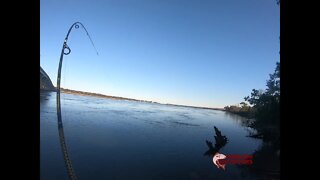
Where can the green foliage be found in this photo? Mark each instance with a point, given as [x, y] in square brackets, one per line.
[244, 110]
[273, 83]
[267, 103]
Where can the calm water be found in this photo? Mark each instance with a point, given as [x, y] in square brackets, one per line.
[122, 140]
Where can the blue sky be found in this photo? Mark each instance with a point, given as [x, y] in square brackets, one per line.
[193, 52]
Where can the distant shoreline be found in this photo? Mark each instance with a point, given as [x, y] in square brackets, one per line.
[82, 93]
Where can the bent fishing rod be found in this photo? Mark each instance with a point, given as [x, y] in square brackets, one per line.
[66, 51]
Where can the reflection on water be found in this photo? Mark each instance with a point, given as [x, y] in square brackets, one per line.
[113, 139]
[266, 162]
[63, 143]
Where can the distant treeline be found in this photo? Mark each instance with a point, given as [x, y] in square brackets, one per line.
[197, 107]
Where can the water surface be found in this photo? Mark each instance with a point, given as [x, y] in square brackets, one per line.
[122, 140]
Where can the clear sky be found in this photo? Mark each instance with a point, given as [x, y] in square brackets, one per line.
[193, 52]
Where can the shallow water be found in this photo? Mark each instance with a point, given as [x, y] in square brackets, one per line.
[118, 139]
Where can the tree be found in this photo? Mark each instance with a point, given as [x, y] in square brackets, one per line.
[273, 83]
[243, 104]
[267, 102]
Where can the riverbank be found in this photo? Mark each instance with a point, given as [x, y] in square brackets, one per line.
[265, 130]
[82, 93]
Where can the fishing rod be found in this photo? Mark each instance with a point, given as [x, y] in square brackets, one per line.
[66, 51]
[66, 47]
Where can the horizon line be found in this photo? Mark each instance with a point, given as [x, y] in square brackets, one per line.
[132, 99]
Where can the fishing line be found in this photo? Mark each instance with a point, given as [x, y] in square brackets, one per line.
[89, 38]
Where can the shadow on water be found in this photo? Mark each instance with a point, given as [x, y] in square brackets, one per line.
[220, 141]
[213, 151]
[63, 144]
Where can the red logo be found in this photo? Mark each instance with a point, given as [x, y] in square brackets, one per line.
[220, 160]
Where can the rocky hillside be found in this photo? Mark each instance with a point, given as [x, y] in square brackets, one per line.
[45, 81]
